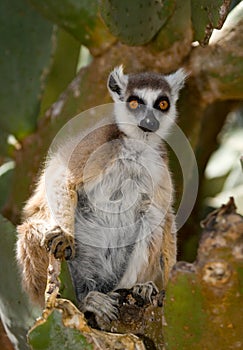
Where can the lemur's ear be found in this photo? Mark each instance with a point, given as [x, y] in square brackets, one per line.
[117, 83]
[176, 81]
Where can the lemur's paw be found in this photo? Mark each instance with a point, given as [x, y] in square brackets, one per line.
[103, 306]
[145, 290]
[60, 244]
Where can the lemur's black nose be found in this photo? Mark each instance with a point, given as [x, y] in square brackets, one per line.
[149, 123]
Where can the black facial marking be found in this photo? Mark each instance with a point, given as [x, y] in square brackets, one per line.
[135, 98]
[157, 102]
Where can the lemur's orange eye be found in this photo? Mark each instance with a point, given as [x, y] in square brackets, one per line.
[163, 105]
[133, 104]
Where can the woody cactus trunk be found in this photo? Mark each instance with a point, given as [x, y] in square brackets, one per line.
[42, 90]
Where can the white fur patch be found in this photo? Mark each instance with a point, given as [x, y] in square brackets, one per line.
[148, 95]
[120, 210]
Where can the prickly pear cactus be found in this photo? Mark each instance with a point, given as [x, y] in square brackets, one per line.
[136, 22]
[80, 19]
[207, 15]
[204, 299]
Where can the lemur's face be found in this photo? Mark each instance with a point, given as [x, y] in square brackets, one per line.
[147, 101]
[147, 98]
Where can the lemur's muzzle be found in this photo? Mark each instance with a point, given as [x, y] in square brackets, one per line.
[149, 123]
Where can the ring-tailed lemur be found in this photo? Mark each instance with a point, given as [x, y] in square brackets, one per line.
[113, 219]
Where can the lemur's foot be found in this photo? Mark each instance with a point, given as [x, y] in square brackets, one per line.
[60, 244]
[103, 306]
[145, 291]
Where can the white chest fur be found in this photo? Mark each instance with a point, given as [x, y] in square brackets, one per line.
[118, 209]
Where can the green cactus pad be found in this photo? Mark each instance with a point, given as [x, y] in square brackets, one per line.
[136, 22]
[79, 18]
[52, 334]
[26, 48]
[206, 15]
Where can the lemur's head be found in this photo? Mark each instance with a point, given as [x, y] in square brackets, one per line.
[150, 101]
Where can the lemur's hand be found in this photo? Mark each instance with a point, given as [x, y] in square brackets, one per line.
[145, 291]
[103, 306]
[60, 244]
